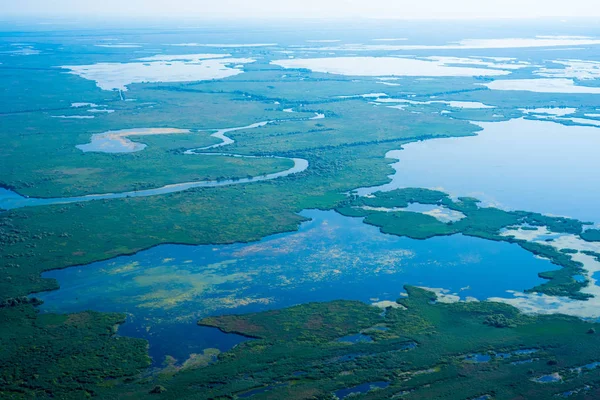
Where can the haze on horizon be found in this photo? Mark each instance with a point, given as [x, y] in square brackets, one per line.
[278, 9]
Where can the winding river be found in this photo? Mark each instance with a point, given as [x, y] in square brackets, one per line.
[11, 200]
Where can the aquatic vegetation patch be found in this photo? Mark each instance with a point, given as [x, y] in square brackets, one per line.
[330, 257]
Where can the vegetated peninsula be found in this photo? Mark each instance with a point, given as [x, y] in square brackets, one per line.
[418, 347]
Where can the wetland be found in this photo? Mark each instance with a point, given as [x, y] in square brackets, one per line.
[304, 213]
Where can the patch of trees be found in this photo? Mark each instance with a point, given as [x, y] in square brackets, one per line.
[18, 301]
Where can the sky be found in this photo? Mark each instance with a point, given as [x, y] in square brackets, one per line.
[269, 9]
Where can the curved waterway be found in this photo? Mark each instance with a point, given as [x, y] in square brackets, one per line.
[11, 200]
[166, 289]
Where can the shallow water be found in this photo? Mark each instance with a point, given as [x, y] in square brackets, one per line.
[441, 213]
[552, 378]
[118, 141]
[518, 164]
[164, 290]
[363, 388]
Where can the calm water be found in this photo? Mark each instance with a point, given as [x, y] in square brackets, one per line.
[165, 290]
[364, 388]
[518, 164]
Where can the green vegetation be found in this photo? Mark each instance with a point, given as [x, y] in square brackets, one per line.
[591, 235]
[44, 238]
[499, 321]
[350, 155]
[308, 322]
[44, 162]
[78, 355]
[343, 150]
[64, 356]
[423, 353]
[569, 251]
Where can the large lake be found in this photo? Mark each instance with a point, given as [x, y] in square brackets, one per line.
[521, 164]
[166, 289]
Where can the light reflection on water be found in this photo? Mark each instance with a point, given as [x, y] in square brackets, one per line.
[518, 164]
[167, 288]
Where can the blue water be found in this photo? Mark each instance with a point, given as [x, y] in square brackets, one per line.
[505, 356]
[572, 392]
[478, 358]
[590, 366]
[548, 379]
[409, 346]
[512, 164]
[166, 289]
[364, 388]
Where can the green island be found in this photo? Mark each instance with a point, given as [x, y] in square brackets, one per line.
[591, 235]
